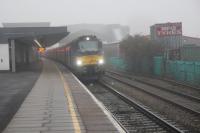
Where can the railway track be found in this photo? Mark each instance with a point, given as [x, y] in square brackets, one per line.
[133, 116]
[177, 88]
[181, 84]
[184, 101]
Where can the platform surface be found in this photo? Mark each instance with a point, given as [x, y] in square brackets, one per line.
[59, 103]
[14, 87]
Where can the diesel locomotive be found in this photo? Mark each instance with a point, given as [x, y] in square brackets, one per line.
[84, 56]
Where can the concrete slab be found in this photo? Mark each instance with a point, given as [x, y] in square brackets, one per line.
[58, 103]
[45, 109]
[14, 87]
[92, 115]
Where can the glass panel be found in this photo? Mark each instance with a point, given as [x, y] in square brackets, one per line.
[88, 46]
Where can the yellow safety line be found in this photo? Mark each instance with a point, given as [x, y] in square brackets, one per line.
[72, 112]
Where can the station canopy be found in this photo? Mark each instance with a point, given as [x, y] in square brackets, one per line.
[46, 36]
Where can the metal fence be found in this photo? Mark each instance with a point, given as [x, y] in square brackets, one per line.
[116, 63]
[184, 71]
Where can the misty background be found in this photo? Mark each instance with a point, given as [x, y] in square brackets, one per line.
[138, 14]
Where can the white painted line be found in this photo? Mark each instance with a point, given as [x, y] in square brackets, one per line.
[76, 125]
[103, 108]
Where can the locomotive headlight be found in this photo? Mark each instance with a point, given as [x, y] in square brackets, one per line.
[101, 61]
[87, 38]
[79, 62]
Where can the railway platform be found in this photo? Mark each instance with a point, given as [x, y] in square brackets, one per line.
[60, 103]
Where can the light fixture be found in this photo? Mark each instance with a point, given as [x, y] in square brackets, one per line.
[36, 41]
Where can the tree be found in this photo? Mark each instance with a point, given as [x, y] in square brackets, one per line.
[138, 52]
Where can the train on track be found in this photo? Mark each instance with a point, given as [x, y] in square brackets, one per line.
[84, 56]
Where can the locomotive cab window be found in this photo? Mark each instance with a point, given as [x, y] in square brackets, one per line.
[88, 46]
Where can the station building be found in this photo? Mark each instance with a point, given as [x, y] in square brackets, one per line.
[169, 34]
[176, 45]
[19, 43]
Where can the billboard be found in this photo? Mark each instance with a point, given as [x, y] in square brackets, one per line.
[169, 29]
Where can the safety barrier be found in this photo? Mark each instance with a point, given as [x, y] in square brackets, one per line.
[186, 71]
[117, 63]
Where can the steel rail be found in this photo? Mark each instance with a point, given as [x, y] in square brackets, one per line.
[159, 87]
[197, 113]
[163, 123]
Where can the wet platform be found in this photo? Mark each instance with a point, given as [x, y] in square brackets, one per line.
[60, 103]
[14, 87]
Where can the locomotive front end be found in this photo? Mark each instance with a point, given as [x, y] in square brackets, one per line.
[89, 60]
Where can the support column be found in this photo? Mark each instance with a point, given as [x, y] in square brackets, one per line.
[13, 62]
[27, 50]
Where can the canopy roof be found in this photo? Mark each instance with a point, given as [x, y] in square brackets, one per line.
[46, 36]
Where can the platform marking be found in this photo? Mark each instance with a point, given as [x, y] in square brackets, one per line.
[100, 104]
[70, 104]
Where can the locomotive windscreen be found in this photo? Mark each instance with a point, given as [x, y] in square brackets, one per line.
[88, 46]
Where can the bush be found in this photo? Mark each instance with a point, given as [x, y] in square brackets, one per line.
[138, 52]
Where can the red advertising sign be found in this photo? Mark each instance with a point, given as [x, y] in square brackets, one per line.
[169, 29]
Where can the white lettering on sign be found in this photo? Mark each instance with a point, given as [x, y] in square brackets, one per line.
[169, 29]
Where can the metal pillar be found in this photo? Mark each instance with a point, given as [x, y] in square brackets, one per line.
[13, 63]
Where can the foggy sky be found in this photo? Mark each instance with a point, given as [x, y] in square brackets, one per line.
[138, 14]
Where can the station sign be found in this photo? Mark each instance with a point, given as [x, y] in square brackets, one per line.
[169, 29]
